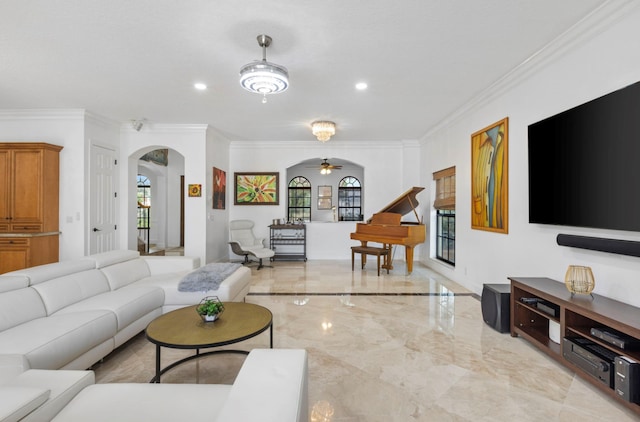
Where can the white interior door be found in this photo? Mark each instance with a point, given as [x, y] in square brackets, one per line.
[103, 200]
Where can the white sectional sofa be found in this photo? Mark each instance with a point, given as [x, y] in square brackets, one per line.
[69, 315]
[272, 386]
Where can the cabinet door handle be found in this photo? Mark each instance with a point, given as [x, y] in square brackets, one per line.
[95, 229]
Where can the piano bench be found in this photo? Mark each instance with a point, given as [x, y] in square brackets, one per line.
[368, 250]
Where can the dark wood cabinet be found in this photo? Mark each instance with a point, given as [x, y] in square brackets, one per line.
[29, 204]
[576, 315]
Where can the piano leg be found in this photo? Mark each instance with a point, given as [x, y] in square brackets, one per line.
[409, 253]
[388, 258]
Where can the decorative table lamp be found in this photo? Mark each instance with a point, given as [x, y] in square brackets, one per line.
[579, 279]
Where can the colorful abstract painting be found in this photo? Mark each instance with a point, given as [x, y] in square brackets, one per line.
[219, 188]
[490, 178]
[256, 188]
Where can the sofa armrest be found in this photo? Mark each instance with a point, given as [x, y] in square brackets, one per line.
[11, 366]
[272, 385]
[18, 402]
[171, 264]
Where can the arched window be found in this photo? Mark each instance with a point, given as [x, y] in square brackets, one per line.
[299, 203]
[349, 199]
[144, 190]
[144, 210]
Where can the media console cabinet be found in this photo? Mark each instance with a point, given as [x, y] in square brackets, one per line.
[576, 316]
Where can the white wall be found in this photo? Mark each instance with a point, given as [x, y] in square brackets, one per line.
[189, 141]
[65, 128]
[217, 221]
[174, 171]
[589, 65]
[385, 176]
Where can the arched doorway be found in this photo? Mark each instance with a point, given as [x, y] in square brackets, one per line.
[159, 208]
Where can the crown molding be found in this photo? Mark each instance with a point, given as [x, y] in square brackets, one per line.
[165, 128]
[307, 145]
[591, 25]
[42, 114]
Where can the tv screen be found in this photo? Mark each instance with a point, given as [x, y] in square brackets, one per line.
[584, 164]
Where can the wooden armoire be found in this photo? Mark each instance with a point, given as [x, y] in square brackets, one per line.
[29, 203]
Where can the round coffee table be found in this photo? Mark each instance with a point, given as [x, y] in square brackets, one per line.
[184, 329]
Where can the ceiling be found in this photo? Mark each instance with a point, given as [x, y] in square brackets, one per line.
[124, 59]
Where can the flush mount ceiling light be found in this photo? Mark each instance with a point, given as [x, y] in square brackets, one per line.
[323, 130]
[263, 77]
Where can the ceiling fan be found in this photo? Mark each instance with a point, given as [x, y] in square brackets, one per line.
[326, 167]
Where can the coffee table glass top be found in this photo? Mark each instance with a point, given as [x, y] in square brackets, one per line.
[184, 329]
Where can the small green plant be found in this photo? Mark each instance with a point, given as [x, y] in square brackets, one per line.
[210, 307]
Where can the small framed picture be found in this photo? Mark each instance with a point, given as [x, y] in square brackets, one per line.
[324, 197]
[195, 190]
[324, 203]
[324, 191]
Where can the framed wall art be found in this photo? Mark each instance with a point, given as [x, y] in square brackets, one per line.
[490, 178]
[256, 188]
[195, 190]
[324, 197]
[219, 188]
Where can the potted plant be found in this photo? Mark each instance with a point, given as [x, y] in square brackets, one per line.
[210, 308]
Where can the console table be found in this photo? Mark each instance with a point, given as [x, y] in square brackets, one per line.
[576, 315]
[288, 241]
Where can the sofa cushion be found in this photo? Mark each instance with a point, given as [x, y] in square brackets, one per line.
[18, 402]
[20, 306]
[54, 341]
[128, 304]
[72, 288]
[63, 384]
[13, 282]
[124, 273]
[170, 264]
[146, 402]
[106, 259]
[234, 287]
[46, 272]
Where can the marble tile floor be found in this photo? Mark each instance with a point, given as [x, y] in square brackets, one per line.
[389, 348]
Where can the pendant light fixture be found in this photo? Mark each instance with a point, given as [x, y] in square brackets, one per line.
[323, 130]
[263, 77]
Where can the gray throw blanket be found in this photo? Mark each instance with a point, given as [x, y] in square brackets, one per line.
[208, 277]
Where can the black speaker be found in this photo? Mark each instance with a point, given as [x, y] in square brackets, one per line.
[495, 306]
[621, 247]
[627, 381]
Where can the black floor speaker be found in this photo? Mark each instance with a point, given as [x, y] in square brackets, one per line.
[495, 306]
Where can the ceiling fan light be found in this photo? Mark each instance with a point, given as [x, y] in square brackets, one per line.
[323, 130]
[263, 77]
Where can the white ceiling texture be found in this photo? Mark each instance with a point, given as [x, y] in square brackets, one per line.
[134, 59]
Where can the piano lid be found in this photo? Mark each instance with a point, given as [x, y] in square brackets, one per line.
[405, 203]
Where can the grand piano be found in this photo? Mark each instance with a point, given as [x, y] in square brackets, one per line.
[387, 228]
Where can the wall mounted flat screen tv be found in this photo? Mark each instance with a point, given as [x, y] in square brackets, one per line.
[584, 164]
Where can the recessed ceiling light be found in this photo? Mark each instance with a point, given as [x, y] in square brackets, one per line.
[200, 86]
[361, 86]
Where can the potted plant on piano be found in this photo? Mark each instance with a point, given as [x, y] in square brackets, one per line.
[210, 308]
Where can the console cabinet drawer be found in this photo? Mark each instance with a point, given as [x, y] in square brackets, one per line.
[26, 228]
